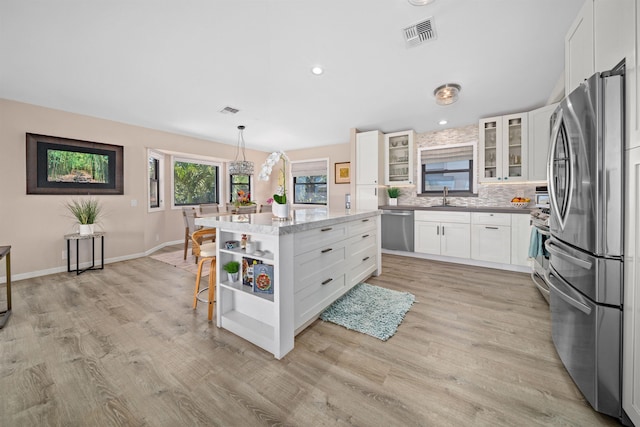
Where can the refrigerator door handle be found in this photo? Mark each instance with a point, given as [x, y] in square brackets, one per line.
[569, 300]
[573, 260]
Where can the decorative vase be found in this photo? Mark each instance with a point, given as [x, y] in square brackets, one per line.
[233, 277]
[280, 211]
[85, 229]
[393, 201]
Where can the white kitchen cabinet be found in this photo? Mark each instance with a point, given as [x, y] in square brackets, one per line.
[631, 312]
[367, 197]
[369, 157]
[520, 238]
[398, 158]
[369, 169]
[539, 124]
[491, 237]
[579, 55]
[503, 148]
[442, 233]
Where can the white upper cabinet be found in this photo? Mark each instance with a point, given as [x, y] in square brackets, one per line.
[398, 157]
[579, 57]
[503, 148]
[539, 138]
[368, 158]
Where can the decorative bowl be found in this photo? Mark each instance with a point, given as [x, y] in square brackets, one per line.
[519, 204]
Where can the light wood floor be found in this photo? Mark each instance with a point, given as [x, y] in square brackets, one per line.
[122, 346]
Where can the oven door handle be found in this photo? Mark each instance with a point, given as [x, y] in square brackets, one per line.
[570, 300]
[573, 260]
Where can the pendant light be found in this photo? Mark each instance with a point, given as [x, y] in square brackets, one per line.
[240, 167]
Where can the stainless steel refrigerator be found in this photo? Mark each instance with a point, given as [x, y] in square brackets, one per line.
[586, 188]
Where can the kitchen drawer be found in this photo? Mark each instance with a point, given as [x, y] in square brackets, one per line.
[319, 262]
[358, 243]
[488, 218]
[443, 216]
[491, 243]
[363, 266]
[362, 226]
[319, 237]
[317, 296]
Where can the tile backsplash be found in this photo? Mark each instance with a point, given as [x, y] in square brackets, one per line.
[488, 194]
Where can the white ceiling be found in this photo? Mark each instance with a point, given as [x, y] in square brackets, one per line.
[172, 65]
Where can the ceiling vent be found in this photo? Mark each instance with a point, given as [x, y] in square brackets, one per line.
[421, 32]
[229, 110]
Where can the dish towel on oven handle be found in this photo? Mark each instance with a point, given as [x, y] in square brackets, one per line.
[536, 248]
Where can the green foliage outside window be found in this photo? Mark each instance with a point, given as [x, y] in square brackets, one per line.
[195, 183]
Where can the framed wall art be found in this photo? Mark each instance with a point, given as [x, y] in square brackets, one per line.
[343, 173]
[70, 166]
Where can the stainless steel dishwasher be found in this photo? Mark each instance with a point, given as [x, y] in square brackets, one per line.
[397, 230]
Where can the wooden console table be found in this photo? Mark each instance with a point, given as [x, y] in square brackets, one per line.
[5, 252]
[77, 237]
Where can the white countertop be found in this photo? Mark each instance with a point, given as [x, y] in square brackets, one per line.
[301, 220]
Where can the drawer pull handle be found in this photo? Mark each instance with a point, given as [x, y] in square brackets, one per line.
[326, 281]
[324, 251]
[365, 258]
[327, 229]
[491, 228]
[365, 236]
[365, 220]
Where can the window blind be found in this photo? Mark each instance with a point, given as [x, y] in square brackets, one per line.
[311, 168]
[443, 155]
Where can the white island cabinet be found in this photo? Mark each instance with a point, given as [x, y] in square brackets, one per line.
[315, 258]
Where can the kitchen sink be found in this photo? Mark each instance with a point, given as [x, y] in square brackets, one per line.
[447, 207]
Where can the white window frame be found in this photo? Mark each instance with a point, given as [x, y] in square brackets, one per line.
[161, 178]
[474, 146]
[291, 181]
[222, 173]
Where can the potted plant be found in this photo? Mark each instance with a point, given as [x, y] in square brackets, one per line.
[87, 212]
[233, 270]
[394, 193]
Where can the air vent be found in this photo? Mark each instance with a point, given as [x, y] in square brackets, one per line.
[419, 33]
[229, 110]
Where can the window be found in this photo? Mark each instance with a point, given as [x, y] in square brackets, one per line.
[310, 182]
[195, 182]
[156, 182]
[451, 166]
[239, 183]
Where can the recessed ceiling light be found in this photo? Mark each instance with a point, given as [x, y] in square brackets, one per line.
[317, 70]
[442, 122]
[420, 2]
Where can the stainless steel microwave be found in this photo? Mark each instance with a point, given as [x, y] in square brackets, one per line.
[542, 198]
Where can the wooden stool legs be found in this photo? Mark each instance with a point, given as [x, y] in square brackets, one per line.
[211, 287]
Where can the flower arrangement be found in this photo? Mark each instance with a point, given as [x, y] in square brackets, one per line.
[281, 194]
[243, 199]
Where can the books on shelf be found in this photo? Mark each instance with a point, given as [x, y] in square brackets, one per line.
[263, 278]
[247, 270]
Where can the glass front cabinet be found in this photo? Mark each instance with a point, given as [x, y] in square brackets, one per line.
[398, 158]
[503, 148]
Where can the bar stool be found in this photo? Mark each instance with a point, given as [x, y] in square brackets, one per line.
[207, 253]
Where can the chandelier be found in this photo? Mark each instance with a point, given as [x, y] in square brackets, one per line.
[240, 167]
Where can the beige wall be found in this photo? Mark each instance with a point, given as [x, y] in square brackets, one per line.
[34, 225]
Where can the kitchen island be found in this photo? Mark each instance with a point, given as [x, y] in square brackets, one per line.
[306, 263]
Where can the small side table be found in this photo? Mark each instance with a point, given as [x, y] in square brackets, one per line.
[5, 252]
[77, 237]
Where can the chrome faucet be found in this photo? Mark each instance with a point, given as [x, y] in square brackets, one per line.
[445, 191]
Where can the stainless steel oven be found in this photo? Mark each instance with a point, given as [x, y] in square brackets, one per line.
[538, 251]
